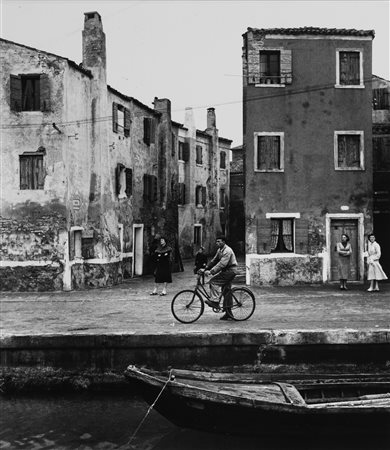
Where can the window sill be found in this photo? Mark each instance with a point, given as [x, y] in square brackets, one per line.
[349, 86]
[200, 206]
[270, 171]
[120, 196]
[350, 169]
[199, 164]
[270, 85]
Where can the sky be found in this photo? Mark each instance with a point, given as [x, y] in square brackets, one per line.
[187, 51]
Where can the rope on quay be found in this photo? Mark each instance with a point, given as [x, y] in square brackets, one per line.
[170, 377]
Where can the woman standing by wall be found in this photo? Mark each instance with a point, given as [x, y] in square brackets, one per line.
[344, 251]
[375, 271]
[162, 274]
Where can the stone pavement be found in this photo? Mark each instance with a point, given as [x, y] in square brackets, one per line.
[129, 309]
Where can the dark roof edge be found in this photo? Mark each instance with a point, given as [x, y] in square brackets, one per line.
[177, 124]
[380, 78]
[132, 99]
[313, 31]
[71, 63]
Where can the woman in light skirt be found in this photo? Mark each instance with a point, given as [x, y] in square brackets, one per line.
[375, 271]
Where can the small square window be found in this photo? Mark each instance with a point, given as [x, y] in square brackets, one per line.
[31, 171]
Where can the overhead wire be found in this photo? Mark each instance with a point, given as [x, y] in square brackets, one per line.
[283, 93]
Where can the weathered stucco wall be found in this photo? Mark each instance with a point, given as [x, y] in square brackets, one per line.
[285, 271]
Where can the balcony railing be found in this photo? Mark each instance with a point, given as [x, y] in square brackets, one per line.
[285, 78]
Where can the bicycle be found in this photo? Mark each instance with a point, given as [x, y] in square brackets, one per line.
[188, 305]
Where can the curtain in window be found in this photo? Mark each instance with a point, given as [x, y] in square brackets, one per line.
[287, 235]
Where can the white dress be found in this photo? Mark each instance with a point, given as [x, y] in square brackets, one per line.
[375, 271]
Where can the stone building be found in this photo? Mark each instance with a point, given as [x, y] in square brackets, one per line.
[381, 161]
[308, 139]
[203, 184]
[237, 201]
[90, 176]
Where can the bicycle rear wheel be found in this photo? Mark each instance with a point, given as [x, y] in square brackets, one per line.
[187, 306]
[244, 304]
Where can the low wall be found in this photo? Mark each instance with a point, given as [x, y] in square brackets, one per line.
[34, 278]
[284, 270]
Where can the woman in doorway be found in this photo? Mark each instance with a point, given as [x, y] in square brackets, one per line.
[375, 271]
[344, 251]
[162, 274]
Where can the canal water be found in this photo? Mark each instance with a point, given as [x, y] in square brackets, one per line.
[105, 422]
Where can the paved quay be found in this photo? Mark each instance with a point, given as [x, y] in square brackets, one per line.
[129, 309]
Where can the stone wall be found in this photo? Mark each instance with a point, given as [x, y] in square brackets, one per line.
[284, 271]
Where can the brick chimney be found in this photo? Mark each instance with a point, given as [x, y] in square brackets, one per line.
[211, 120]
[94, 43]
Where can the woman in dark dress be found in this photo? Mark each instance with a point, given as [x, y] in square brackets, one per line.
[162, 274]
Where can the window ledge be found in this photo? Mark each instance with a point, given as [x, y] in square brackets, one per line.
[270, 85]
[181, 161]
[120, 196]
[200, 206]
[349, 86]
[350, 169]
[199, 164]
[270, 171]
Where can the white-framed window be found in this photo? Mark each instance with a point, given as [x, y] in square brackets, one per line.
[349, 150]
[198, 234]
[75, 243]
[349, 68]
[269, 151]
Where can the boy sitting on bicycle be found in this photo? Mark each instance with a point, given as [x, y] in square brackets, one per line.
[223, 268]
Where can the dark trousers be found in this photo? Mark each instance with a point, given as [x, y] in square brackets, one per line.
[223, 279]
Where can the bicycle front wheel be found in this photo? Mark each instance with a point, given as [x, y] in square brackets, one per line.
[187, 306]
[244, 304]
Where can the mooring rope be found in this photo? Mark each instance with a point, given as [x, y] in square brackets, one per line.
[170, 377]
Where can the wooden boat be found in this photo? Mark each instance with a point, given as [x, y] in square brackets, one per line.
[254, 404]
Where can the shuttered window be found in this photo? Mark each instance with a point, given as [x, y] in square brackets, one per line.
[150, 188]
[149, 130]
[381, 153]
[270, 67]
[120, 119]
[30, 92]
[184, 151]
[182, 194]
[268, 153]
[199, 155]
[200, 196]
[349, 151]
[222, 198]
[124, 181]
[349, 64]
[31, 171]
[222, 160]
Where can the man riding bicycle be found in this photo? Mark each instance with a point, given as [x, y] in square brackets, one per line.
[223, 267]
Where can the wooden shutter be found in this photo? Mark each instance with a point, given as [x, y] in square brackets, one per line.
[286, 66]
[204, 195]
[16, 92]
[114, 117]
[153, 188]
[44, 87]
[23, 167]
[39, 173]
[147, 130]
[129, 182]
[263, 236]
[118, 184]
[127, 122]
[146, 186]
[152, 130]
[223, 160]
[301, 236]
[183, 193]
[186, 151]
